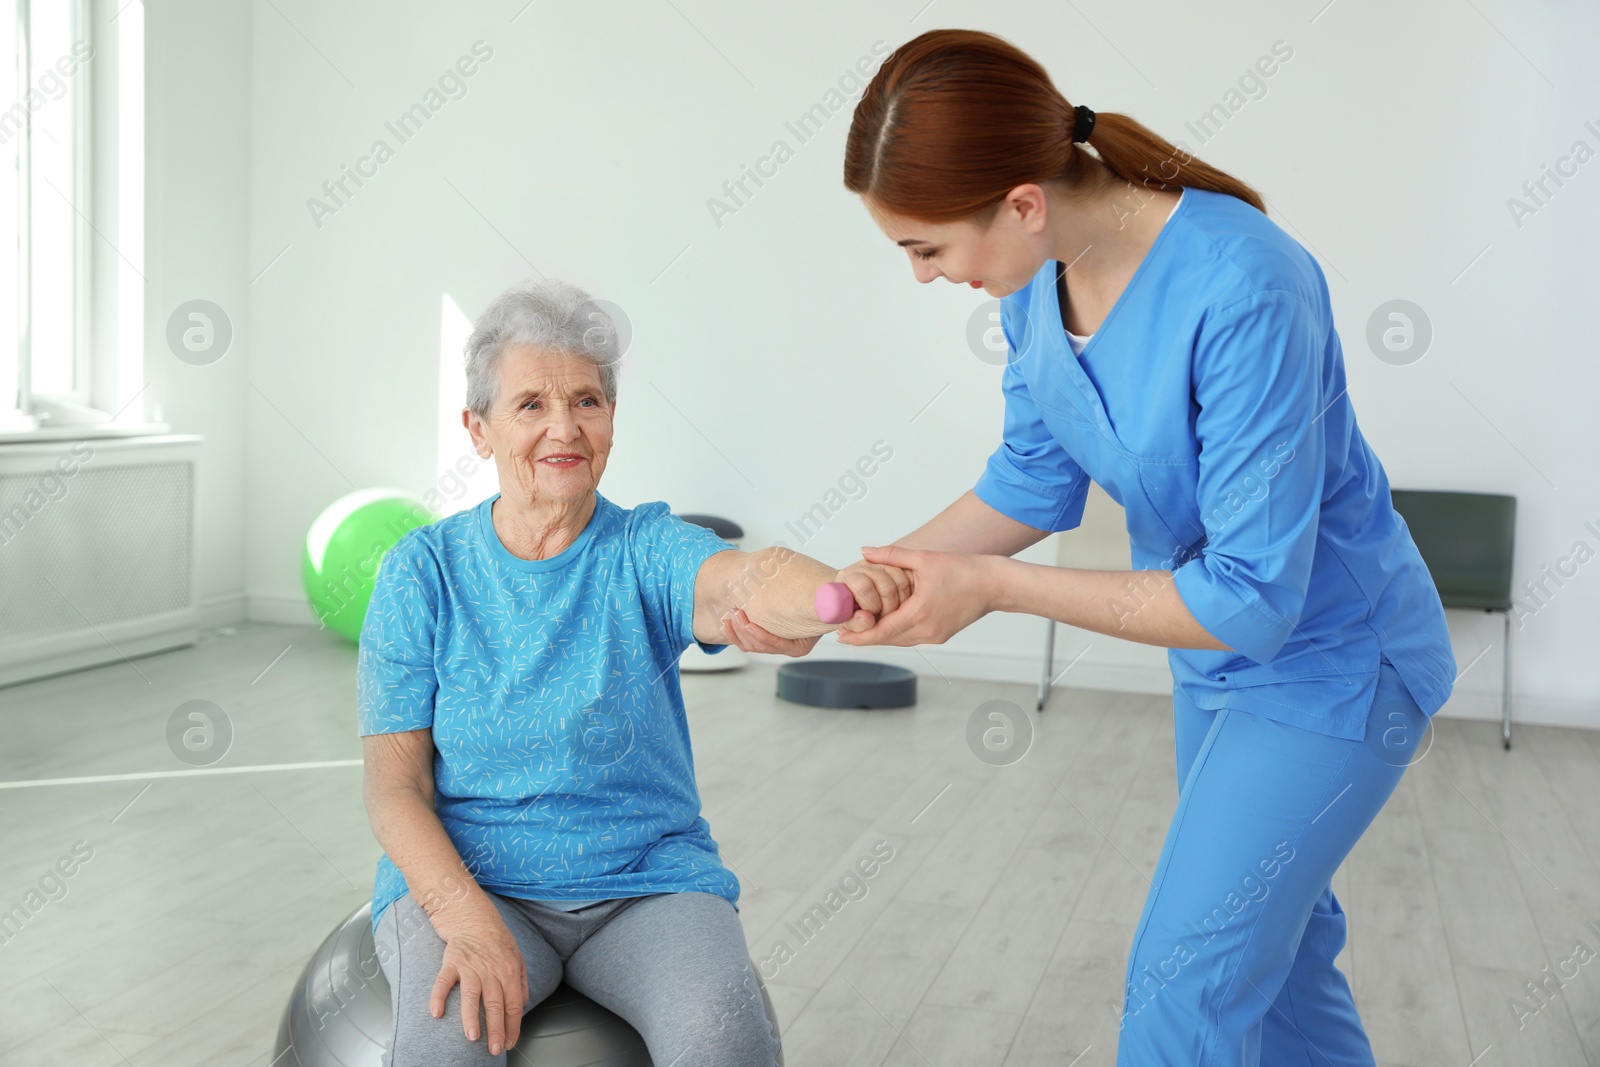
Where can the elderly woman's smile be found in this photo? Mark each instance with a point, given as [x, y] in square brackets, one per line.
[548, 429]
[553, 412]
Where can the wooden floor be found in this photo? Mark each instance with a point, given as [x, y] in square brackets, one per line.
[996, 934]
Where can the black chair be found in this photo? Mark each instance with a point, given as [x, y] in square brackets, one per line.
[1466, 539]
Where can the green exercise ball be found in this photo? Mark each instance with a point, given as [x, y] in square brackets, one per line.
[344, 548]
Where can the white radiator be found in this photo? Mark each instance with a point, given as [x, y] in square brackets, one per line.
[97, 551]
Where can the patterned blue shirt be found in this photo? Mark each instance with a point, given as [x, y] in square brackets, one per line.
[562, 766]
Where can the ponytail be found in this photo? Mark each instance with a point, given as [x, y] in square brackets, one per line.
[1135, 153]
[956, 119]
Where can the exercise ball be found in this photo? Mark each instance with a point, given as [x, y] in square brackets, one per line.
[344, 547]
[339, 1015]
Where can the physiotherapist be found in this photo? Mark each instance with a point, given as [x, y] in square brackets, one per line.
[1170, 342]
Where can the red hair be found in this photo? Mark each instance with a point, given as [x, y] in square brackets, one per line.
[956, 119]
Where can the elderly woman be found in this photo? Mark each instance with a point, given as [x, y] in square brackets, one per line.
[528, 766]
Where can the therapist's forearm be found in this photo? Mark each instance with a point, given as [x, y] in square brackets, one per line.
[1142, 606]
[973, 527]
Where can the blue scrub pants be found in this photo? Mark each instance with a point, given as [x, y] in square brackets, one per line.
[1232, 963]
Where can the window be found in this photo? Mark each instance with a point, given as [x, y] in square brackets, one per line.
[71, 211]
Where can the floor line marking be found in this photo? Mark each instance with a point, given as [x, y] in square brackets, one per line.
[140, 776]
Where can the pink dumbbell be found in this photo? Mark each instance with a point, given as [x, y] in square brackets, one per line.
[835, 602]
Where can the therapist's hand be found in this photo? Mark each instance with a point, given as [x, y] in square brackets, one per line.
[950, 591]
[878, 589]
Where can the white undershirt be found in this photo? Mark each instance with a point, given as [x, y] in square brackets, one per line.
[1077, 342]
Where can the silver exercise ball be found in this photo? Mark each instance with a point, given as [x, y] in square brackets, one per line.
[339, 1015]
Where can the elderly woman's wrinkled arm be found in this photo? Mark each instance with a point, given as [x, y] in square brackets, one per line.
[480, 952]
[775, 587]
[397, 786]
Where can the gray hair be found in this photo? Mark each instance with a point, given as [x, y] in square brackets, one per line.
[548, 314]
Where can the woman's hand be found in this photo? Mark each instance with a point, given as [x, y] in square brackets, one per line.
[950, 591]
[484, 958]
[749, 637]
[878, 588]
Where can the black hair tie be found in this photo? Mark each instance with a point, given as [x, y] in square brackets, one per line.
[1085, 124]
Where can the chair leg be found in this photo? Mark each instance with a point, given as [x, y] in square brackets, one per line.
[1505, 685]
[1049, 661]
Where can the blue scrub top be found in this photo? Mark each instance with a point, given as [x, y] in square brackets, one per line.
[1211, 404]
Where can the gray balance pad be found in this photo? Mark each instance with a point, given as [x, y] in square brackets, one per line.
[837, 683]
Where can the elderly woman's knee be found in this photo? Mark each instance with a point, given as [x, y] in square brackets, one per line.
[750, 1043]
[420, 1040]
[720, 1022]
[439, 1043]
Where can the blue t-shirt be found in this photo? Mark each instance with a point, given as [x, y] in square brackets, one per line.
[1212, 405]
[562, 766]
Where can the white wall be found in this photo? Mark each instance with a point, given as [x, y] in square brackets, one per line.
[197, 196]
[772, 350]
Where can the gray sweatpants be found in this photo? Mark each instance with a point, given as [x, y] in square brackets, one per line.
[674, 965]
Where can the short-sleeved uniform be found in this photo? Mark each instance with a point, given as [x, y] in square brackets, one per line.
[562, 770]
[1212, 405]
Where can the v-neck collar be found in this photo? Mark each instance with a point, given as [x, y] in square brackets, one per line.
[1072, 364]
[1059, 280]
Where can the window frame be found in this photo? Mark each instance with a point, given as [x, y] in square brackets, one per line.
[98, 279]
